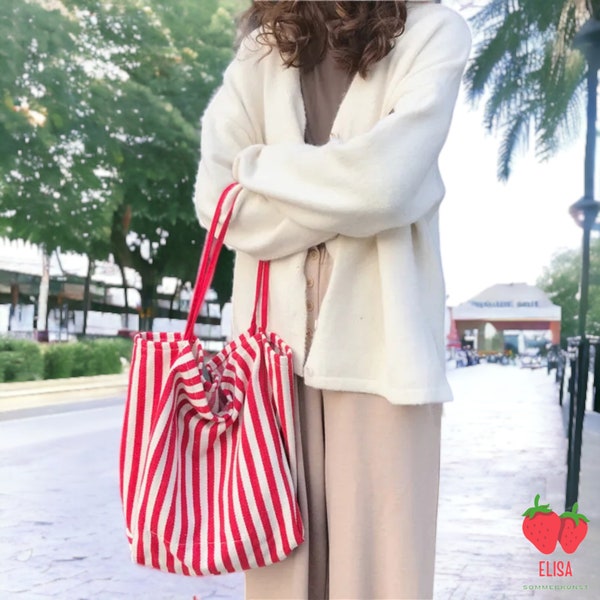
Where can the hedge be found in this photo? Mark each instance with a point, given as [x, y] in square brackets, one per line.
[22, 360]
[79, 359]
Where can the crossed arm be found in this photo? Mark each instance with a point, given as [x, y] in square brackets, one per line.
[296, 195]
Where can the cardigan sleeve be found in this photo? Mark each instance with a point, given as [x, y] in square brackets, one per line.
[381, 179]
[258, 226]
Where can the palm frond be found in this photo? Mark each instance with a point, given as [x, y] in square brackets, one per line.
[561, 86]
[515, 135]
[493, 12]
[501, 42]
[525, 67]
[505, 97]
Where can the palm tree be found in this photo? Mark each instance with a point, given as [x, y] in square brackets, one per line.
[528, 73]
[534, 78]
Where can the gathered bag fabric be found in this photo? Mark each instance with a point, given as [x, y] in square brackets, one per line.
[208, 466]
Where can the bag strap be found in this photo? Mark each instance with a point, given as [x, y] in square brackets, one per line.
[209, 258]
[261, 297]
[208, 264]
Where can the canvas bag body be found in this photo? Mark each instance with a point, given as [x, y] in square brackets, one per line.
[208, 468]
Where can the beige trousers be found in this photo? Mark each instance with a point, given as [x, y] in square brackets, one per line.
[368, 492]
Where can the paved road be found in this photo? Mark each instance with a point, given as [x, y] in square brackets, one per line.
[61, 527]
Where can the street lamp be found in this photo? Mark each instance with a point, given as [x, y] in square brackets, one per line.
[584, 211]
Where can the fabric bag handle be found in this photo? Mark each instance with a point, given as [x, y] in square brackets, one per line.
[208, 264]
[208, 259]
[259, 319]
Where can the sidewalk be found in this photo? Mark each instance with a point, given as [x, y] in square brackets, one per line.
[27, 395]
[503, 443]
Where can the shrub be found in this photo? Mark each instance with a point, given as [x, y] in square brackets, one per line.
[20, 360]
[124, 347]
[100, 357]
[23, 360]
[59, 360]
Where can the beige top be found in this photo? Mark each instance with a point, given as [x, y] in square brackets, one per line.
[323, 89]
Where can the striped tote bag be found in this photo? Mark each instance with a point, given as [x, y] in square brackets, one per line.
[208, 469]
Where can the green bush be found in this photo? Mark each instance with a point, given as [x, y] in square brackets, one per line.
[59, 360]
[20, 360]
[124, 347]
[88, 357]
[96, 358]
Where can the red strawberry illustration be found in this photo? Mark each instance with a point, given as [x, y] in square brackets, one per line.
[573, 529]
[541, 526]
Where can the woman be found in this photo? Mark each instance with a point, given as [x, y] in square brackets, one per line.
[331, 117]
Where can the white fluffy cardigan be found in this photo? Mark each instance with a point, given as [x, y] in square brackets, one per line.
[371, 194]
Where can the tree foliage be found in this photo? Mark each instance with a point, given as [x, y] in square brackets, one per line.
[528, 73]
[55, 182]
[561, 280]
[99, 126]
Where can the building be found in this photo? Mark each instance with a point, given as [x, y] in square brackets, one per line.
[21, 266]
[509, 316]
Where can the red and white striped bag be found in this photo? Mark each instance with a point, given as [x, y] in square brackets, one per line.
[208, 453]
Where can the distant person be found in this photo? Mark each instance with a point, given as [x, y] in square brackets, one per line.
[331, 118]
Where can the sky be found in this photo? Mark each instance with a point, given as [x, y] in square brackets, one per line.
[496, 232]
[503, 232]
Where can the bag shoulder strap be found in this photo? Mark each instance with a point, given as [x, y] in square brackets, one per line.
[213, 244]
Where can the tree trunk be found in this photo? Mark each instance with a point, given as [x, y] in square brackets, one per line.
[125, 288]
[172, 301]
[148, 295]
[42, 319]
[14, 302]
[86, 294]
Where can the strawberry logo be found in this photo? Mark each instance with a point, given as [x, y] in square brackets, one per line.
[541, 526]
[573, 529]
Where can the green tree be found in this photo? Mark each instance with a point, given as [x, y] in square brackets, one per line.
[99, 127]
[560, 280]
[55, 189]
[170, 78]
[526, 70]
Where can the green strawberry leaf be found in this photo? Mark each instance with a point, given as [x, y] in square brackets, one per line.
[537, 508]
[573, 514]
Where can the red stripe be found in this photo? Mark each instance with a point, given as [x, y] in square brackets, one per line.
[183, 487]
[142, 465]
[170, 471]
[136, 435]
[222, 541]
[275, 463]
[251, 412]
[276, 401]
[212, 430]
[244, 530]
[125, 431]
[248, 522]
[173, 469]
[147, 504]
[234, 493]
[165, 449]
[284, 405]
[196, 459]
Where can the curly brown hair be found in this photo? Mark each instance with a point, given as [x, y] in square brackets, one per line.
[359, 33]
